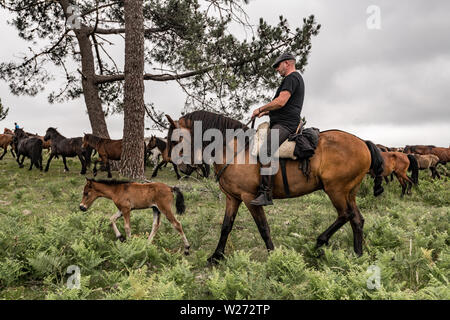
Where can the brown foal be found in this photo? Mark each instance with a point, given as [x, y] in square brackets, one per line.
[129, 196]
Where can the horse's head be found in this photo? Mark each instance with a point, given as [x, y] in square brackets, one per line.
[151, 143]
[49, 133]
[89, 195]
[179, 133]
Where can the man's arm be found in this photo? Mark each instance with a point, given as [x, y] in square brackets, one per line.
[277, 103]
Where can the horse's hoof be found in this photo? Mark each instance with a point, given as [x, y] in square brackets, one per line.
[319, 252]
[215, 259]
[121, 238]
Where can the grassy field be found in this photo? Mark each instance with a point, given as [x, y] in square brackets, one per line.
[43, 232]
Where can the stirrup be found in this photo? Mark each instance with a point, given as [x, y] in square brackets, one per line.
[263, 199]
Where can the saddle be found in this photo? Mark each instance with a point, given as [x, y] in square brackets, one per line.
[299, 146]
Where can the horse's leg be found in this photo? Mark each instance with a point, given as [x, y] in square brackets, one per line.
[165, 208]
[339, 200]
[18, 160]
[156, 223]
[5, 150]
[260, 219]
[113, 220]
[232, 206]
[40, 161]
[83, 163]
[402, 183]
[407, 181]
[126, 217]
[48, 161]
[386, 180]
[94, 170]
[155, 171]
[357, 223]
[175, 167]
[65, 164]
[21, 162]
[108, 168]
[12, 151]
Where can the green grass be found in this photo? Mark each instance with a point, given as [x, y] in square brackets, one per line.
[42, 233]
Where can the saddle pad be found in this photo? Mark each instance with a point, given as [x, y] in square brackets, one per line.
[286, 149]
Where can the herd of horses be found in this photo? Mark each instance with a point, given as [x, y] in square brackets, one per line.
[30, 146]
[338, 166]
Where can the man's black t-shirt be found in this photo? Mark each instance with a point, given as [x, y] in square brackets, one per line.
[289, 115]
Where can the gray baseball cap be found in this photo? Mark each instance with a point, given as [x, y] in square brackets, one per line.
[284, 56]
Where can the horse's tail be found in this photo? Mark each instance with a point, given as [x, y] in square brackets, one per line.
[179, 202]
[87, 152]
[376, 167]
[36, 152]
[414, 167]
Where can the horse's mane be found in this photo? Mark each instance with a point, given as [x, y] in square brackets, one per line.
[211, 120]
[110, 181]
[160, 144]
[92, 139]
[51, 129]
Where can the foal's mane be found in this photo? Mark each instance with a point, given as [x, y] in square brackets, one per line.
[110, 181]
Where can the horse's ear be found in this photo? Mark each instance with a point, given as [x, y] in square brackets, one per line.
[172, 123]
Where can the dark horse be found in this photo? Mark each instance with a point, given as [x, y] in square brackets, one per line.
[28, 147]
[159, 143]
[107, 150]
[67, 148]
[156, 142]
[340, 162]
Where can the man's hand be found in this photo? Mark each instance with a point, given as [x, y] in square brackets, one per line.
[258, 113]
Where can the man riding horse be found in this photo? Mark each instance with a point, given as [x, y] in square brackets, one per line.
[284, 113]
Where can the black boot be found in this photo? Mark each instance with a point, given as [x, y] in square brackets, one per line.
[264, 197]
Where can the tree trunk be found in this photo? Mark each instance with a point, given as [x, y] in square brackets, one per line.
[132, 159]
[90, 89]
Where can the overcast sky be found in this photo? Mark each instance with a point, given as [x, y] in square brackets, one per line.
[390, 85]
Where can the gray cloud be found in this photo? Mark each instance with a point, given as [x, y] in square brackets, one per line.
[387, 85]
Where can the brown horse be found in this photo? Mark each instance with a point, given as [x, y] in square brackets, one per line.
[107, 150]
[8, 131]
[5, 141]
[398, 163]
[129, 196]
[338, 166]
[442, 153]
[428, 161]
[419, 149]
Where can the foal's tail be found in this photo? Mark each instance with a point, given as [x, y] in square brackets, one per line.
[179, 202]
[414, 167]
[376, 167]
